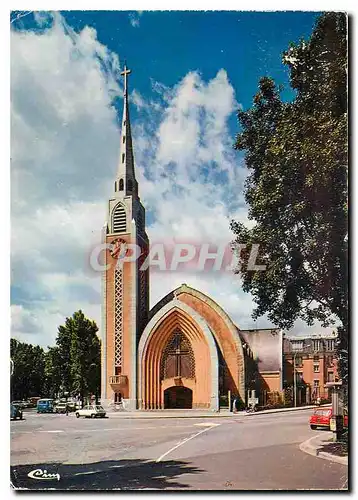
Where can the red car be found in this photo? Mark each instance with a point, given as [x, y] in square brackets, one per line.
[322, 416]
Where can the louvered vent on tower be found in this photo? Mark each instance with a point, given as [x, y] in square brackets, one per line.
[119, 219]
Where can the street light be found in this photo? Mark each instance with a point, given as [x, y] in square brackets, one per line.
[295, 376]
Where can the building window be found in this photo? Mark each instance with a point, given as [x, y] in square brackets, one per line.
[330, 345]
[330, 377]
[115, 186]
[117, 397]
[124, 139]
[316, 345]
[178, 358]
[119, 224]
[315, 388]
[297, 345]
[121, 185]
[316, 368]
[316, 358]
[123, 157]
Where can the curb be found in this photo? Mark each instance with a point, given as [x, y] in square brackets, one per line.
[311, 449]
[149, 415]
[283, 410]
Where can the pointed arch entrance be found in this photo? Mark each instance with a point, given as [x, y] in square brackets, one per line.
[178, 360]
[178, 397]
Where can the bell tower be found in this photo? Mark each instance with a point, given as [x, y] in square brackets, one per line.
[125, 288]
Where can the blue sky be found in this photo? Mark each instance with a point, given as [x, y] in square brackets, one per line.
[191, 72]
[166, 45]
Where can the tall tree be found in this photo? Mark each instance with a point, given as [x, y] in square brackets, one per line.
[53, 381]
[296, 190]
[29, 370]
[79, 351]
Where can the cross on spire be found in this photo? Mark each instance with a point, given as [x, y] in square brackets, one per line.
[125, 73]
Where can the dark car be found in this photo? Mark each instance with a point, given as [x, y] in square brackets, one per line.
[15, 411]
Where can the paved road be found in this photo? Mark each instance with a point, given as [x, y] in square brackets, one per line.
[243, 452]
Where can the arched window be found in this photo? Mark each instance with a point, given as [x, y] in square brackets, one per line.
[178, 358]
[121, 185]
[117, 397]
[115, 186]
[129, 185]
[119, 219]
[123, 157]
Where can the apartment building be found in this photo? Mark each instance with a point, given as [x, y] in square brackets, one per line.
[313, 360]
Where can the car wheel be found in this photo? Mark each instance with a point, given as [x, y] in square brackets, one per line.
[93, 415]
[77, 414]
[313, 427]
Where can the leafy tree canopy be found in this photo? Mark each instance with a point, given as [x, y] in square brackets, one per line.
[296, 190]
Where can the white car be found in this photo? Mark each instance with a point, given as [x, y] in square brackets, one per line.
[91, 411]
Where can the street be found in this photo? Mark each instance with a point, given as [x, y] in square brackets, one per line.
[243, 452]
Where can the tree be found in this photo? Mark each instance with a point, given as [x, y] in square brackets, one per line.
[80, 355]
[296, 190]
[29, 370]
[73, 366]
[53, 381]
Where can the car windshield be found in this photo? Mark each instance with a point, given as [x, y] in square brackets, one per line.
[324, 413]
[99, 407]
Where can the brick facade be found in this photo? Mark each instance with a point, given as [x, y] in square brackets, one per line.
[314, 360]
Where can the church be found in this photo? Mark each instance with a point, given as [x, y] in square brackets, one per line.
[185, 352]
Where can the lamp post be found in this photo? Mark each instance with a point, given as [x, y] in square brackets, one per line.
[294, 380]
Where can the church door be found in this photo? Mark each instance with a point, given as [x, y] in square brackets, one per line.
[178, 397]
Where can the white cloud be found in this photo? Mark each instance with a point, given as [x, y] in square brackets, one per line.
[134, 18]
[64, 152]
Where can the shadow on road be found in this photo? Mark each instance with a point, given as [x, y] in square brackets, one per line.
[106, 475]
[338, 449]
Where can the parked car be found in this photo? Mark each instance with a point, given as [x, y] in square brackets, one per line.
[91, 411]
[61, 408]
[18, 403]
[321, 418]
[45, 406]
[33, 401]
[15, 411]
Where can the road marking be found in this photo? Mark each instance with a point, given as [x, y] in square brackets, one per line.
[52, 431]
[183, 442]
[207, 424]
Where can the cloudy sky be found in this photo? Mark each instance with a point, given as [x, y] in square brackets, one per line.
[191, 72]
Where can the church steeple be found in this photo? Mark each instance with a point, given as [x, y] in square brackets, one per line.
[126, 184]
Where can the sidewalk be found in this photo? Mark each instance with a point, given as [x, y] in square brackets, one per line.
[322, 446]
[223, 413]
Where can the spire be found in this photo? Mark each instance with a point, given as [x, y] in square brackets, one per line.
[126, 183]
